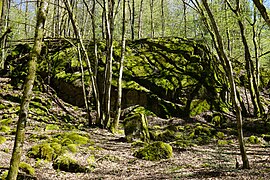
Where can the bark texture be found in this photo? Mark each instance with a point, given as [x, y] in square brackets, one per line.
[27, 91]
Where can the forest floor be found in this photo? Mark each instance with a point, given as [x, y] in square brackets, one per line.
[113, 157]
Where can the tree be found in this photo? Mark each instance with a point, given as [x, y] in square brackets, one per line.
[115, 122]
[92, 75]
[27, 91]
[263, 11]
[228, 67]
[252, 82]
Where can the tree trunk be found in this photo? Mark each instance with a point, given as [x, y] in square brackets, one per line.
[115, 122]
[232, 85]
[263, 11]
[152, 18]
[109, 19]
[162, 19]
[140, 20]
[253, 87]
[78, 35]
[27, 91]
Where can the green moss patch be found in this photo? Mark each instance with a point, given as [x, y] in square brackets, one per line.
[4, 129]
[155, 151]
[253, 140]
[27, 168]
[44, 151]
[66, 163]
[2, 139]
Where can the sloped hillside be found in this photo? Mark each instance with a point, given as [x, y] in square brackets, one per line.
[57, 132]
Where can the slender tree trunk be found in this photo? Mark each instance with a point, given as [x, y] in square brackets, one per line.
[140, 20]
[152, 18]
[262, 9]
[162, 19]
[253, 88]
[78, 35]
[115, 123]
[93, 18]
[232, 85]
[132, 18]
[27, 92]
[83, 86]
[185, 17]
[109, 9]
[3, 28]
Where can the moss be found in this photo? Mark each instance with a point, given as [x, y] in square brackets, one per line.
[2, 106]
[155, 151]
[77, 139]
[66, 163]
[6, 121]
[136, 127]
[51, 127]
[184, 143]
[4, 129]
[27, 168]
[72, 148]
[4, 175]
[166, 136]
[253, 140]
[220, 135]
[138, 143]
[2, 139]
[42, 151]
[222, 142]
[198, 107]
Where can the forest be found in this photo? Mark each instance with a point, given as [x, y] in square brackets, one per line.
[134, 89]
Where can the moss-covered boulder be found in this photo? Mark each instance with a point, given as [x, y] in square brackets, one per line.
[155, 151]
[45, 151]
[136, 128]
[66, 163]
[2, 139]
[27, 168]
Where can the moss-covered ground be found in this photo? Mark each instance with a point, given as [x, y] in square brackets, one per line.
[59, 143]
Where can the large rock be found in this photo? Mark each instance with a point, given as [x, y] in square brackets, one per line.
[136, 128]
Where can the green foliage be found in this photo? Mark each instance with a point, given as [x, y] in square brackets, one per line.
[155, 151]
[27, 168]
[66, 163]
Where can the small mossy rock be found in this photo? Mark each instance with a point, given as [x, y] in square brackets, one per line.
[72, 148]
[4, 129]
[136, 128]
[27, 168]
[77, 139]
[2, 139]
[45, 151]
[66, 163]
[253, 140]
[159, 135]
[155, 151]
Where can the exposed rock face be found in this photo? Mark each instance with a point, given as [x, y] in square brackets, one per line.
[169, 76]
